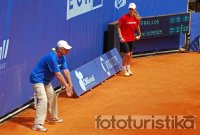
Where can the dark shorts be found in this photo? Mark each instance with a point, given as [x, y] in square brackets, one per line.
[127, 47]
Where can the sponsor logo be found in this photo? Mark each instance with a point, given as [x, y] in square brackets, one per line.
[120, 3]
[78, 7]
[109, 64]
[84, 82]
[131, 23]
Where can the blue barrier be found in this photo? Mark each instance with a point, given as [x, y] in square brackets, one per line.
[29, 29]
[96, 71]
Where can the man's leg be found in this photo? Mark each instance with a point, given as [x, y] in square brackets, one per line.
[124, 64]
[52, 108]
[41, 107]
[129, 63]
[124, 47]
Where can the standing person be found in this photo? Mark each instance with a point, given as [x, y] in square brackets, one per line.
[47, 68]
[127, 25]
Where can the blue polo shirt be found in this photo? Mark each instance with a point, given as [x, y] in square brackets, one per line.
[44, 71]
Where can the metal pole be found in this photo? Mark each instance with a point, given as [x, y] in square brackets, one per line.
[15, 112]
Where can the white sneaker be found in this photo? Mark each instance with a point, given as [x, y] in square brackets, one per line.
[128, 67]
[126, 73]
[130, 72]
[56, 120]
[39, 128]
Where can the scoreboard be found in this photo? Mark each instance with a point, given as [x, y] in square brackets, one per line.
[166, 25]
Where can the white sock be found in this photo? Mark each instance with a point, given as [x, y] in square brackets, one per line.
[128, 67]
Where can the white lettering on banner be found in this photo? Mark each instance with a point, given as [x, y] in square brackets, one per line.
[88, 80]
[83, 82]
[4, 49]
[120, 3]
[109, 64]
[78, 7]
[112, 62]
[103, 65]
[3, 53]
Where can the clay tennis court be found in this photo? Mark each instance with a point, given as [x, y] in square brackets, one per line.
[166, 84]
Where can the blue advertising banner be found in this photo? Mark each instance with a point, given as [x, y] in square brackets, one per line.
[85, 77]
[108, 64]
[96, 71]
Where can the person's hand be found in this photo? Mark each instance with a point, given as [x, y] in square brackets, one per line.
[69, 91]
[138, 37]
[122, 39]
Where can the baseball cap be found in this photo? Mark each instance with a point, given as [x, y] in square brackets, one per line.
[132, 6]
[64, 44]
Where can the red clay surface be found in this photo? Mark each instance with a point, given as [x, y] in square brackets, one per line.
[161, 85]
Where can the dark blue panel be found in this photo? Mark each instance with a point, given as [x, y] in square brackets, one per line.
[157, 44]
[165, 25]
